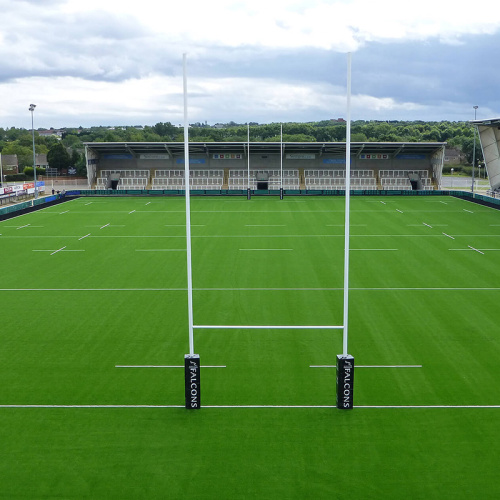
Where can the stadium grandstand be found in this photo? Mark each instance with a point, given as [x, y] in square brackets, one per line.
[264, 166]
[489, 136]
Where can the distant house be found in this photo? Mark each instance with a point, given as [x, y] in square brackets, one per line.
[41, 160]
[51, 132]
[9, 164]
[453, 156]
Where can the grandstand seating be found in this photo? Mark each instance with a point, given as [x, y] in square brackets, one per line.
[400, 180]
[238, 179]
[396, 183]
[335, 179]
[127, 179]
[198, 179]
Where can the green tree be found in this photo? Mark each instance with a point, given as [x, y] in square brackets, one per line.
[24, 153]
[58, 157]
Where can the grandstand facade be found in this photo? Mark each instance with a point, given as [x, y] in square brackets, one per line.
[489, 136]
[264, 166]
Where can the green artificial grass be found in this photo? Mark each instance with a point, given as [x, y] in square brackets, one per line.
[97, 283]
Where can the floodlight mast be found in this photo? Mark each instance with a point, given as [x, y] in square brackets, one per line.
[281, 161]
[32, 109]
[474, 150]
[248, 161]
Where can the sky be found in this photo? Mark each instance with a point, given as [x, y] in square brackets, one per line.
[120, 62]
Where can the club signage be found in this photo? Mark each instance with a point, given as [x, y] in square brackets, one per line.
[192, 381]
[345, 382]
[300, 156]
[227, 156]
[373, 156]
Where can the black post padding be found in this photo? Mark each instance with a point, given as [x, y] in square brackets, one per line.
[281, 193]
[345, 382]
[192, 381]
[249, 196]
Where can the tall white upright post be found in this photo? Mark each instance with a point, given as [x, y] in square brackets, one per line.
[345, 362]
[347, 208]
[191, 360]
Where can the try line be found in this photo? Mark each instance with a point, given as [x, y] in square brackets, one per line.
[403, 407]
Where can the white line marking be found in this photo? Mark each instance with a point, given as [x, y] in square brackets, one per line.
[342, 225]
[427, 406]
[376, 249]
[443, 202]
[148, 203]
[369, 366]
[21, 227]
[131, 212]
[272, 327]
[89, 203]
[476, 250]
[265, 225]
[447, 235]
[428, 225]
[58, 250]
[400, 211]
[465, 210]
[184, 225]
[166, 366]
[105, 225]
[161, 250]
[84, 237]
[393, 407]
[265, 236]
[248, 289]
[383, 202]
[65, 212]
[265, 249]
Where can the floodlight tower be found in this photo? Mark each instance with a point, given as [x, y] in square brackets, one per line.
[474, 150]
[32, 108]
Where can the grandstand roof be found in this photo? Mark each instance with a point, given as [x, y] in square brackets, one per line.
[491, 122]
[176, 149]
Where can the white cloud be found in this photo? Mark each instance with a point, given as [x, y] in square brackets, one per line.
[119, 62]
[158, 98]
[330, 24]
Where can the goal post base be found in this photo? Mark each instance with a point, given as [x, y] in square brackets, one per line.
[249, 196]
[192, 381]
[345, 382]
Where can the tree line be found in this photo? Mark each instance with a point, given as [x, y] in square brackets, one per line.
[69, 150]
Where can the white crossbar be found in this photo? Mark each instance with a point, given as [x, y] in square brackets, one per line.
[271, 327]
